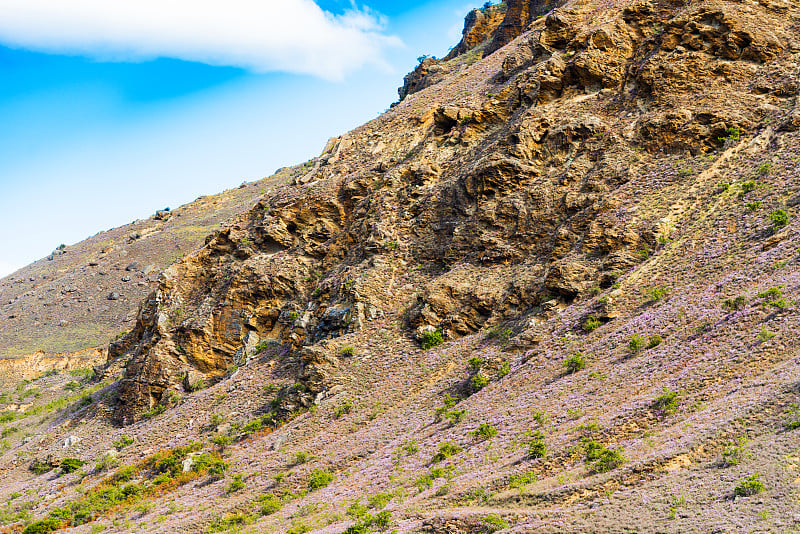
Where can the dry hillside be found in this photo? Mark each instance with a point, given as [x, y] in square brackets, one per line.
[553, 290]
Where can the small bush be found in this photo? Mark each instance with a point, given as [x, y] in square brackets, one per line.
[477, 382]
[654, 341]
[236, 484]
[475, 363]
[667, 402]
[345, 408]
[779, 219]
[658, 293]
[520, 481]
[773, 293]
[494, 522]
[410, 447]
[736, 303]
[197, 386]
[301, 457]
[500, 334]
[429, 340]
[575, 363]
[122, 442]
[485, 431]
[70, 465]
[107, 462]
[456, 415]
[608, 460]
[591, 324]
[636, 343]
[749, 486]
[320, 478]
[347, 351]
[748, 186]
[270, 503]
[380, 500]
[158, 409]
[734, 453]
[505, 368]
[39, 467]
[45, 526]
[446, 450]
[536, 446]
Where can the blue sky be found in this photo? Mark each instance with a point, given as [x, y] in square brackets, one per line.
[106, 118]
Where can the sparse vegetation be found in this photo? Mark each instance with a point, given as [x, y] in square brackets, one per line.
[428, 340]
[667, 402]
[575, 363]
[636, 344]
[319, 478]
[446, 450]
[749, 486]
[485, 431]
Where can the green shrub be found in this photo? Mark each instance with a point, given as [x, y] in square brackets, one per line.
[347, 351]
[197, 386]
[736, 303]
[779, 219]
[575, 363]
[70, 465]
[158, 409]
[107, 462]
[607, 460]
[446, 450]
[494, 522]
[320, 478]
[410, 447]
[734, 453]
[591, 324]
[485, 431]
[667, 402]
[658, 293]
[45, 526]
[125, 474]
[770, 294]
[456, 415]
[236, 484]
[429, 340]
[380, 500]
[748, 186]
[753, 205]
[636, 343]
[262, 347]
[749, 486]
[520, 481]
[477, 382]
[426, 480]
[39, 467]
[500, 334]
[345, 408]
[475, 363]
[505, 368]
[270, 503]
[301, 457]
[122, 442]
[654, 341]
[536, 445]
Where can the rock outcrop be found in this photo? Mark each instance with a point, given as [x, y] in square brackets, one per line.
[511, 198]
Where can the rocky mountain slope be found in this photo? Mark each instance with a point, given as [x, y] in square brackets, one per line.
[554, 291]
[84, 295]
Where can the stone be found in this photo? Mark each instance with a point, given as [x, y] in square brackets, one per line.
[71, 442]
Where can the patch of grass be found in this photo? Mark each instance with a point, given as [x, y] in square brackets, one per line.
[752, 485]
[456, 415]
[236, 484]
[122, 442]
[736, 303]
[485, 431]
[410, 447]
[501, 334]
[667, 402]
[426, 480]
[477, 382]
[345, 408]
[446, 450]
[636, 343]
[319, 478]
[475, 363]
[654, 341]
[591, 324]
[575, 363]
[778, 219]
[734, 453]
[158, 409]
[347, 351]
[658, 293]
[70, 465]
[380, 500]
[536, 445]
[429, 340]
[270, 504]
[520, 481]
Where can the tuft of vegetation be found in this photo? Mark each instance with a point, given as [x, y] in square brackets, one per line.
[501, 334]
[122, 442]
[485, 431]
[270, 503]
[778, 219]
[446, 450]
[667, 402]
[477, 382]
[158, 409]
[591, 324]
[347, 351]
[734, 453]
[601, 459]
[344, 409]
[636, 343]
[475, 363]
[736, 303]
[575, 363]
[70, 465]
[752, 485]
[536, 445]
[658, 293]
[236, 484]
[654, 341]
[319, 478]
[302, 457]
[520, 481]
[429, 340]
[494, 522]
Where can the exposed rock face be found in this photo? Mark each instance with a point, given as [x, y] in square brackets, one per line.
[506, 200]
[479, 26]
[519, 15]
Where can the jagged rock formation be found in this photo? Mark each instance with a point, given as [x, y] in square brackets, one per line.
[513, 193]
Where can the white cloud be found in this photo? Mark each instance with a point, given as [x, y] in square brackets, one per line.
[260, 35]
